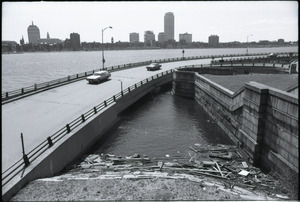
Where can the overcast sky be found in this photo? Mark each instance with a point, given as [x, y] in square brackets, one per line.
[230, 20]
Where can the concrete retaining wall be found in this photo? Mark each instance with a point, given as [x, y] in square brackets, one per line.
[263, 120]
[64, 152]
[79, 140]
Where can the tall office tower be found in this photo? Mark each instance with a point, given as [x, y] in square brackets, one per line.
[33, 33]
[169, 26]
[187, 38]
[134, 37]
[149, 38]
[75, 41]
[213, 40]
[161, 37]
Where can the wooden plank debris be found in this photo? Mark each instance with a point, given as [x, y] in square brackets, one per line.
[221, 161]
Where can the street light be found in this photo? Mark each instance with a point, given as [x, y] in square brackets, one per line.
[103, 60]
[121, 85]
[247, 43]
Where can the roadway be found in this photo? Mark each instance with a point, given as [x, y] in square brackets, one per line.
[40, 115]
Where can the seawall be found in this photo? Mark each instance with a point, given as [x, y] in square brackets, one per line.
[261, 119]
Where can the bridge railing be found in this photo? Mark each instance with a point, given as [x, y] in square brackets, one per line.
[21, 165]
[71, 78]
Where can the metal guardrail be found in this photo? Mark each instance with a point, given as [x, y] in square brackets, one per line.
[21, 164]
[71, 78]
[284, 58]
[236, 65]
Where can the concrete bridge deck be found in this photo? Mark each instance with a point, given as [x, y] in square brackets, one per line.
[41, 115]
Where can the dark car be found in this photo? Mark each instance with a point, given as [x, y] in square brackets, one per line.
[272, 55]
[99, 76]
[153, 67]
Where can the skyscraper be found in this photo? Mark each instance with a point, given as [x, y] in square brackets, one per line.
[134, 37]
[213, 40]
[33, 33]
[149, 38]
[169, 26]
[75, 41]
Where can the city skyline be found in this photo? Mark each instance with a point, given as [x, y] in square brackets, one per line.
[230, 20]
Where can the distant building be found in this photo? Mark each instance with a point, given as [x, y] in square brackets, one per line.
[33, 33]
[169, 26]
[149, 38]
[75, 41]
[161, 37]
[134, 37]
[9, 46]
[49, 40]
[187, 38]
[22, 41]
[280, 40]
[213, 40]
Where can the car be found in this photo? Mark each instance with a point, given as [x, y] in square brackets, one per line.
[153, 67]
[272, 55]
[98, 76]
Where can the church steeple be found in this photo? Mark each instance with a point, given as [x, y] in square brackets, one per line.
[48, 37]
[22, 41]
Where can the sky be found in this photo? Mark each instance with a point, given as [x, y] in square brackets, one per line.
[230, 20]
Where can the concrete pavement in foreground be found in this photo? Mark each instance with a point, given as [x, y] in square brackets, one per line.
[41, 115]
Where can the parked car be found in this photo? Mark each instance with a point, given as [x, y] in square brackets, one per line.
[272, 55]
[153, 67]
[99, 76]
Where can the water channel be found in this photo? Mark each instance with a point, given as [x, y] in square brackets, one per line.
[161, 124]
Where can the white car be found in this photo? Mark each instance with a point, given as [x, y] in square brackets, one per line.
[99, 76]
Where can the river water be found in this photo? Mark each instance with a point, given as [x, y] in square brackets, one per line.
[23, 70]
[161, 124]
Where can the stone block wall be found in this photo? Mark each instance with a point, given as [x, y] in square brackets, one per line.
[281, 132]
[263, 120]
[223, 105]
[183, 84]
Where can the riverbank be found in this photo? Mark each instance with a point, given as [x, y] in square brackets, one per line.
[131, 48]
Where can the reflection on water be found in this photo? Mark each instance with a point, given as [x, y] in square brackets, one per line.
[161, 124]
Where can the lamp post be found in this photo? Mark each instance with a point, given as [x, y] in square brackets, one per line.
[183, 54]
[247, 43]
[121, 85]
[103, 60]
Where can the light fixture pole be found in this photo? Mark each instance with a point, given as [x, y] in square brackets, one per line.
[103, 60]
[121, 85]
[247, 43]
